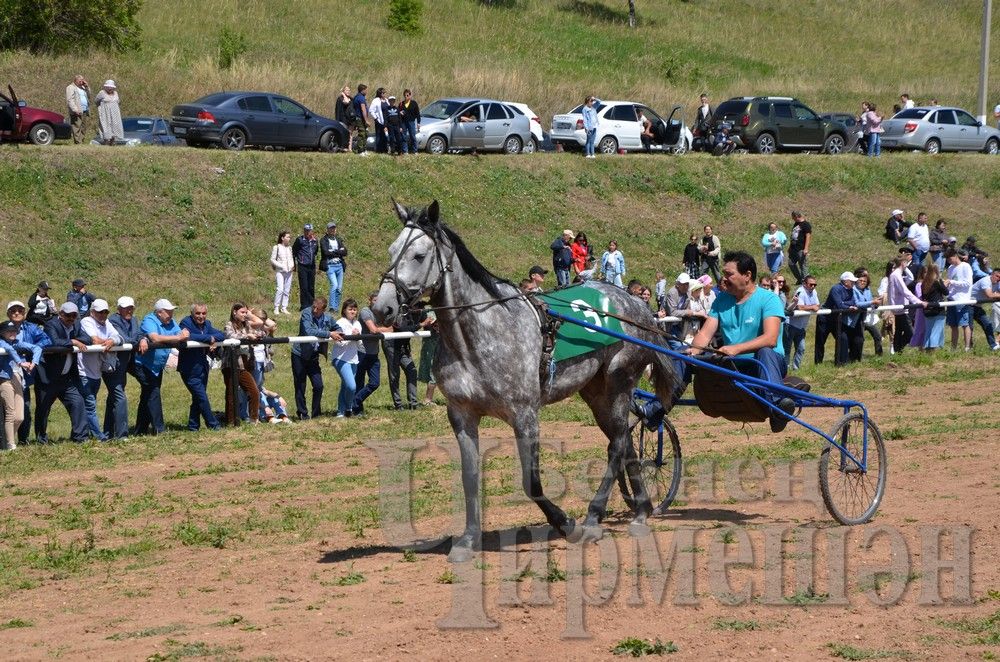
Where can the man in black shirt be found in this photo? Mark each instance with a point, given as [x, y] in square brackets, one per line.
[798, 247]
[304, 250]
[411, 122]
[394, 125]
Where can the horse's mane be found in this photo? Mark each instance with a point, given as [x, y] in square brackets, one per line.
[472, 266]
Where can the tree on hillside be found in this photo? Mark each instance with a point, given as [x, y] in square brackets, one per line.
[64, 26]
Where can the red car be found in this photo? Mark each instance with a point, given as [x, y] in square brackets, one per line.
[20, 122]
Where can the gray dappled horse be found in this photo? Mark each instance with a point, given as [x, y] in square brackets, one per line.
[488, 361]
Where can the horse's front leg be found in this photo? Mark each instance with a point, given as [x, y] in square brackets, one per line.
[466, 426]
[526, 434]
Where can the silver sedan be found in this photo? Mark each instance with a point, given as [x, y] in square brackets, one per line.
[938, 129]
[463, 124]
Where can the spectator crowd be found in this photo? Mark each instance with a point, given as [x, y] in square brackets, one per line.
[928, 268]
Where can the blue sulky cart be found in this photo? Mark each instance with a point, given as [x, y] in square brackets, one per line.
[851, 479]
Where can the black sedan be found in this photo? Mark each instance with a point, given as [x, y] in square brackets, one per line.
[234, 120]
[146, 131]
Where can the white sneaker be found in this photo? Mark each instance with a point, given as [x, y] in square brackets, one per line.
[284, 311]
[339, 416]
[275, 311]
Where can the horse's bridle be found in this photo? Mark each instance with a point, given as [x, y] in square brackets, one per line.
[407, 298]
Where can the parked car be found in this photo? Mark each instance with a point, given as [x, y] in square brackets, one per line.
[771, 124]
[537, 133]
[146, 131]
[234, 120]
[938, 129]
[855, 134]
[20, 122]
[463, 124]
[619, 127]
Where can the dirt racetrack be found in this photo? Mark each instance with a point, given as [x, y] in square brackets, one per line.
[273, 551]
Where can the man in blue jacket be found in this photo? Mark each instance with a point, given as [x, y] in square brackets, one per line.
[159, 327]
[30, 333]
[562, 257]
[841, 297]
[59, 376]
[116, 410]
[314, 321]
[192, 364]
[81, 297]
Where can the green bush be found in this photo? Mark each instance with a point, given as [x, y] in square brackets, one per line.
[69, 26]
[404, 15]
[232, 44]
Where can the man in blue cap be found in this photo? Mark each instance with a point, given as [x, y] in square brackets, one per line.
[304, 249]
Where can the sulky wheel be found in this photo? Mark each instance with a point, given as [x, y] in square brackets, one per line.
[661, 475]
[851, 495]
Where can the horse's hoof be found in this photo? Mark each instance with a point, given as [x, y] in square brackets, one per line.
[460, 554]
[638, 529]
[571, 531]
[585, 533]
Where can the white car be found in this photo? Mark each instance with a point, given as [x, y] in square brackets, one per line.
[619, 127]
[537, 135]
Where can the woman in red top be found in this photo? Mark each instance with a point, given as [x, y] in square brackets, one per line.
[583, 257]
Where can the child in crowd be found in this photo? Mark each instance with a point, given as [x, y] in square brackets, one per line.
[273, 408]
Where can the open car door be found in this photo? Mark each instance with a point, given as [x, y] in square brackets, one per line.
[10, 116]
[672, 129]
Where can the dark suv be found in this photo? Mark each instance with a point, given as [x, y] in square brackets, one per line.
[770, 124]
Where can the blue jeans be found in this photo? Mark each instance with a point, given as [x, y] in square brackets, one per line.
[874, 144]
[795, 339]
[774, 261]
[562, 277]
[150, 414]
[89, 391]
[918, 260]
[589, 147]
[116, 407]
[335, 274]
[66, 389]
[410, 137]
[938, 259]
[368, 367]
[348, 387]
[196, 382]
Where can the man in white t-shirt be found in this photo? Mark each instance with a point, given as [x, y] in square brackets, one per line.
[906, 101]
[919, 238]
[959, 284]
[795, 328]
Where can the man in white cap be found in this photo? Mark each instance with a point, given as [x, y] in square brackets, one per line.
[34, 334]
[92, 367]
[158, 327]
[58, 374]
[896, 227]
[840, 297]
[116, 410]
[675, 301]
[562, 257]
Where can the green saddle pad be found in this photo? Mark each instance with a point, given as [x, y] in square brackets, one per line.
[586, 304]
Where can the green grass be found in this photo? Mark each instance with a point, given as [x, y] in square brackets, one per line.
[848, 652]
[735, 625]
[635, 647]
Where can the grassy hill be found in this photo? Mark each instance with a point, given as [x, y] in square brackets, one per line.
[198, 224]
[548, 54]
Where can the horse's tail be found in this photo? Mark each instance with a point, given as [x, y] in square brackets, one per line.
[665, 379]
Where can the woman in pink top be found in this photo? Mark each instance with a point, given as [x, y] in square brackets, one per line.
[871, 123]
[899, 294]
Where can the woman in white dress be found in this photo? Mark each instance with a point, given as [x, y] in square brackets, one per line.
[109, 114]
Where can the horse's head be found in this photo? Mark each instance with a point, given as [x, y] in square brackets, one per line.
[418, 260]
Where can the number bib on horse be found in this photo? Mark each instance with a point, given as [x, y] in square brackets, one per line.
[585, 304]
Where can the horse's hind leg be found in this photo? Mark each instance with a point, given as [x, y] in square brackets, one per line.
[526, 434]
[466, 426]
[610, 407]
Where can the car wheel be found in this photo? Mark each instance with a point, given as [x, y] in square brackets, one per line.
[327, 142]
[42, 134]
[682, 148]
[992, 146]
[512, 145]
[933, 146]
[608, 145]
[234, 139]
[765, 144]
[437, 144]
[531, 146]
[834, 144]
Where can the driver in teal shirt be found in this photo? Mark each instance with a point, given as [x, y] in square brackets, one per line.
[750, 321]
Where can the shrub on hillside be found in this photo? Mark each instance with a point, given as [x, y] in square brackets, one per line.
[232, 44]
[69, 26]
[404, 15]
